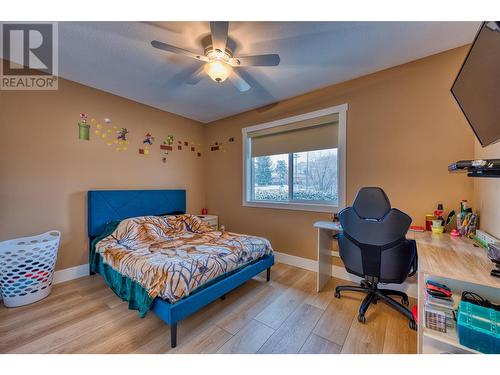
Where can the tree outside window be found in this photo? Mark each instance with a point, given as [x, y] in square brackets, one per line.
[263, 171]
[314, 177]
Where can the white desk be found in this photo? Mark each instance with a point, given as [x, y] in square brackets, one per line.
[326, 231]
[457, 263]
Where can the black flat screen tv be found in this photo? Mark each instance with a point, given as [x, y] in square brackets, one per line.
[477, 86]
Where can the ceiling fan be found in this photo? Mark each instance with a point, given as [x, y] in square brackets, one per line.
[218, 60]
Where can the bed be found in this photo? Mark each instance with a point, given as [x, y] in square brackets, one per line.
[144, 245]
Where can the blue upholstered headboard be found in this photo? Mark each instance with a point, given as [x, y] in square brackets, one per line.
[108, 205]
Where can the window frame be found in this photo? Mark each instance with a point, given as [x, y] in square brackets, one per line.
[248, 178]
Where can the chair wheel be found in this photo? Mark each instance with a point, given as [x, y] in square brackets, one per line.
[361, 319]
[337, 294]
[412, 324]
[405, 301]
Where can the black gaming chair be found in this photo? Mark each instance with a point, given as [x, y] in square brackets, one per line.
[373, 246]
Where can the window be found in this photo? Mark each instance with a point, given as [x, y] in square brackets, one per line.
[296, 163]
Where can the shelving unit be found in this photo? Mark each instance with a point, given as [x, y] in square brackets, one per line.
[449, 341]
[457, 263]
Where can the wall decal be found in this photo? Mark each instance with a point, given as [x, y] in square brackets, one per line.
[83, 128]
[148, 139]
[166, 147]
[122, 134]
[121, 139]
[216, 146]
[104, 131]
[169, 140]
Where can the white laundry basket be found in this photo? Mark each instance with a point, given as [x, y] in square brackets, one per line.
[27, 268]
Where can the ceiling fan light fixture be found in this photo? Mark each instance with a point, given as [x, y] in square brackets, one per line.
[219, 54]
[218, 70]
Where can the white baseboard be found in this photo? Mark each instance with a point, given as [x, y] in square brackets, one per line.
[292, 260]
[70, 273]
[409, 287]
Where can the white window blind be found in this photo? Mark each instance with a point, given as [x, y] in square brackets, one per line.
[319, 133]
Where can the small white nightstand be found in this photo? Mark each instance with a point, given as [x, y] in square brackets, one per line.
[212, 220]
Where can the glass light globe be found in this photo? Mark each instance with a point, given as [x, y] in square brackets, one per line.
[218, 70]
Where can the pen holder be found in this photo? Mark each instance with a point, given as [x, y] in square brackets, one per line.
[451, 222]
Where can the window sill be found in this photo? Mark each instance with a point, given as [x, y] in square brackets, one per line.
[312, 207]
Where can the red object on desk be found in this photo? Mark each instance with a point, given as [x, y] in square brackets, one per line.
[414, 312]
[417, 228]
[204, 211]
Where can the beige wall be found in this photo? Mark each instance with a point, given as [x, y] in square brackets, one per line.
[45, 170]
[487, 192]
[403, 129]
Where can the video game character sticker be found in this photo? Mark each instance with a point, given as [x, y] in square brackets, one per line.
[169, 140]
[148, 141]
[103, 130]
[121, 139]
[122, 134]
[83, 128]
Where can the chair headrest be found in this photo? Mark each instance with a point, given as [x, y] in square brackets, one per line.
[371, 203]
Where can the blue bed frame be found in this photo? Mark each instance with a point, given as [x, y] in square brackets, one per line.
[109, 205]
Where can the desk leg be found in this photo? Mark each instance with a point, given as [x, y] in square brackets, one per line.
[324, 257]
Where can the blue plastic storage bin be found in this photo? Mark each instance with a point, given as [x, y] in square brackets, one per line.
[479, 328]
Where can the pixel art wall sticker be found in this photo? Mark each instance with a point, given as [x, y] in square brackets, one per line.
[83, 128]
[148, 141]
[103, 131]
[121, 139]
[118, 137]
[218, 146]
[166, 146]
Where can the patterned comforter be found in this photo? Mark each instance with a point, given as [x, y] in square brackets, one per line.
[171, 256]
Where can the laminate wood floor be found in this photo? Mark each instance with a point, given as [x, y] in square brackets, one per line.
[285, 315]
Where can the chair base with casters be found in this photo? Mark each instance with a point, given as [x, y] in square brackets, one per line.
[374, 294]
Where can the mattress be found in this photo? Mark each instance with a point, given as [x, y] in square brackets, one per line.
[173, 256]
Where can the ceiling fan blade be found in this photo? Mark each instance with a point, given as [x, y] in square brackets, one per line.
[180, 51]
[239, 82]
[257, 60]
[197, 76]
[219, 32]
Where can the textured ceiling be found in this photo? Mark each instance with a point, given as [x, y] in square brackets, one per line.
[117, 57]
